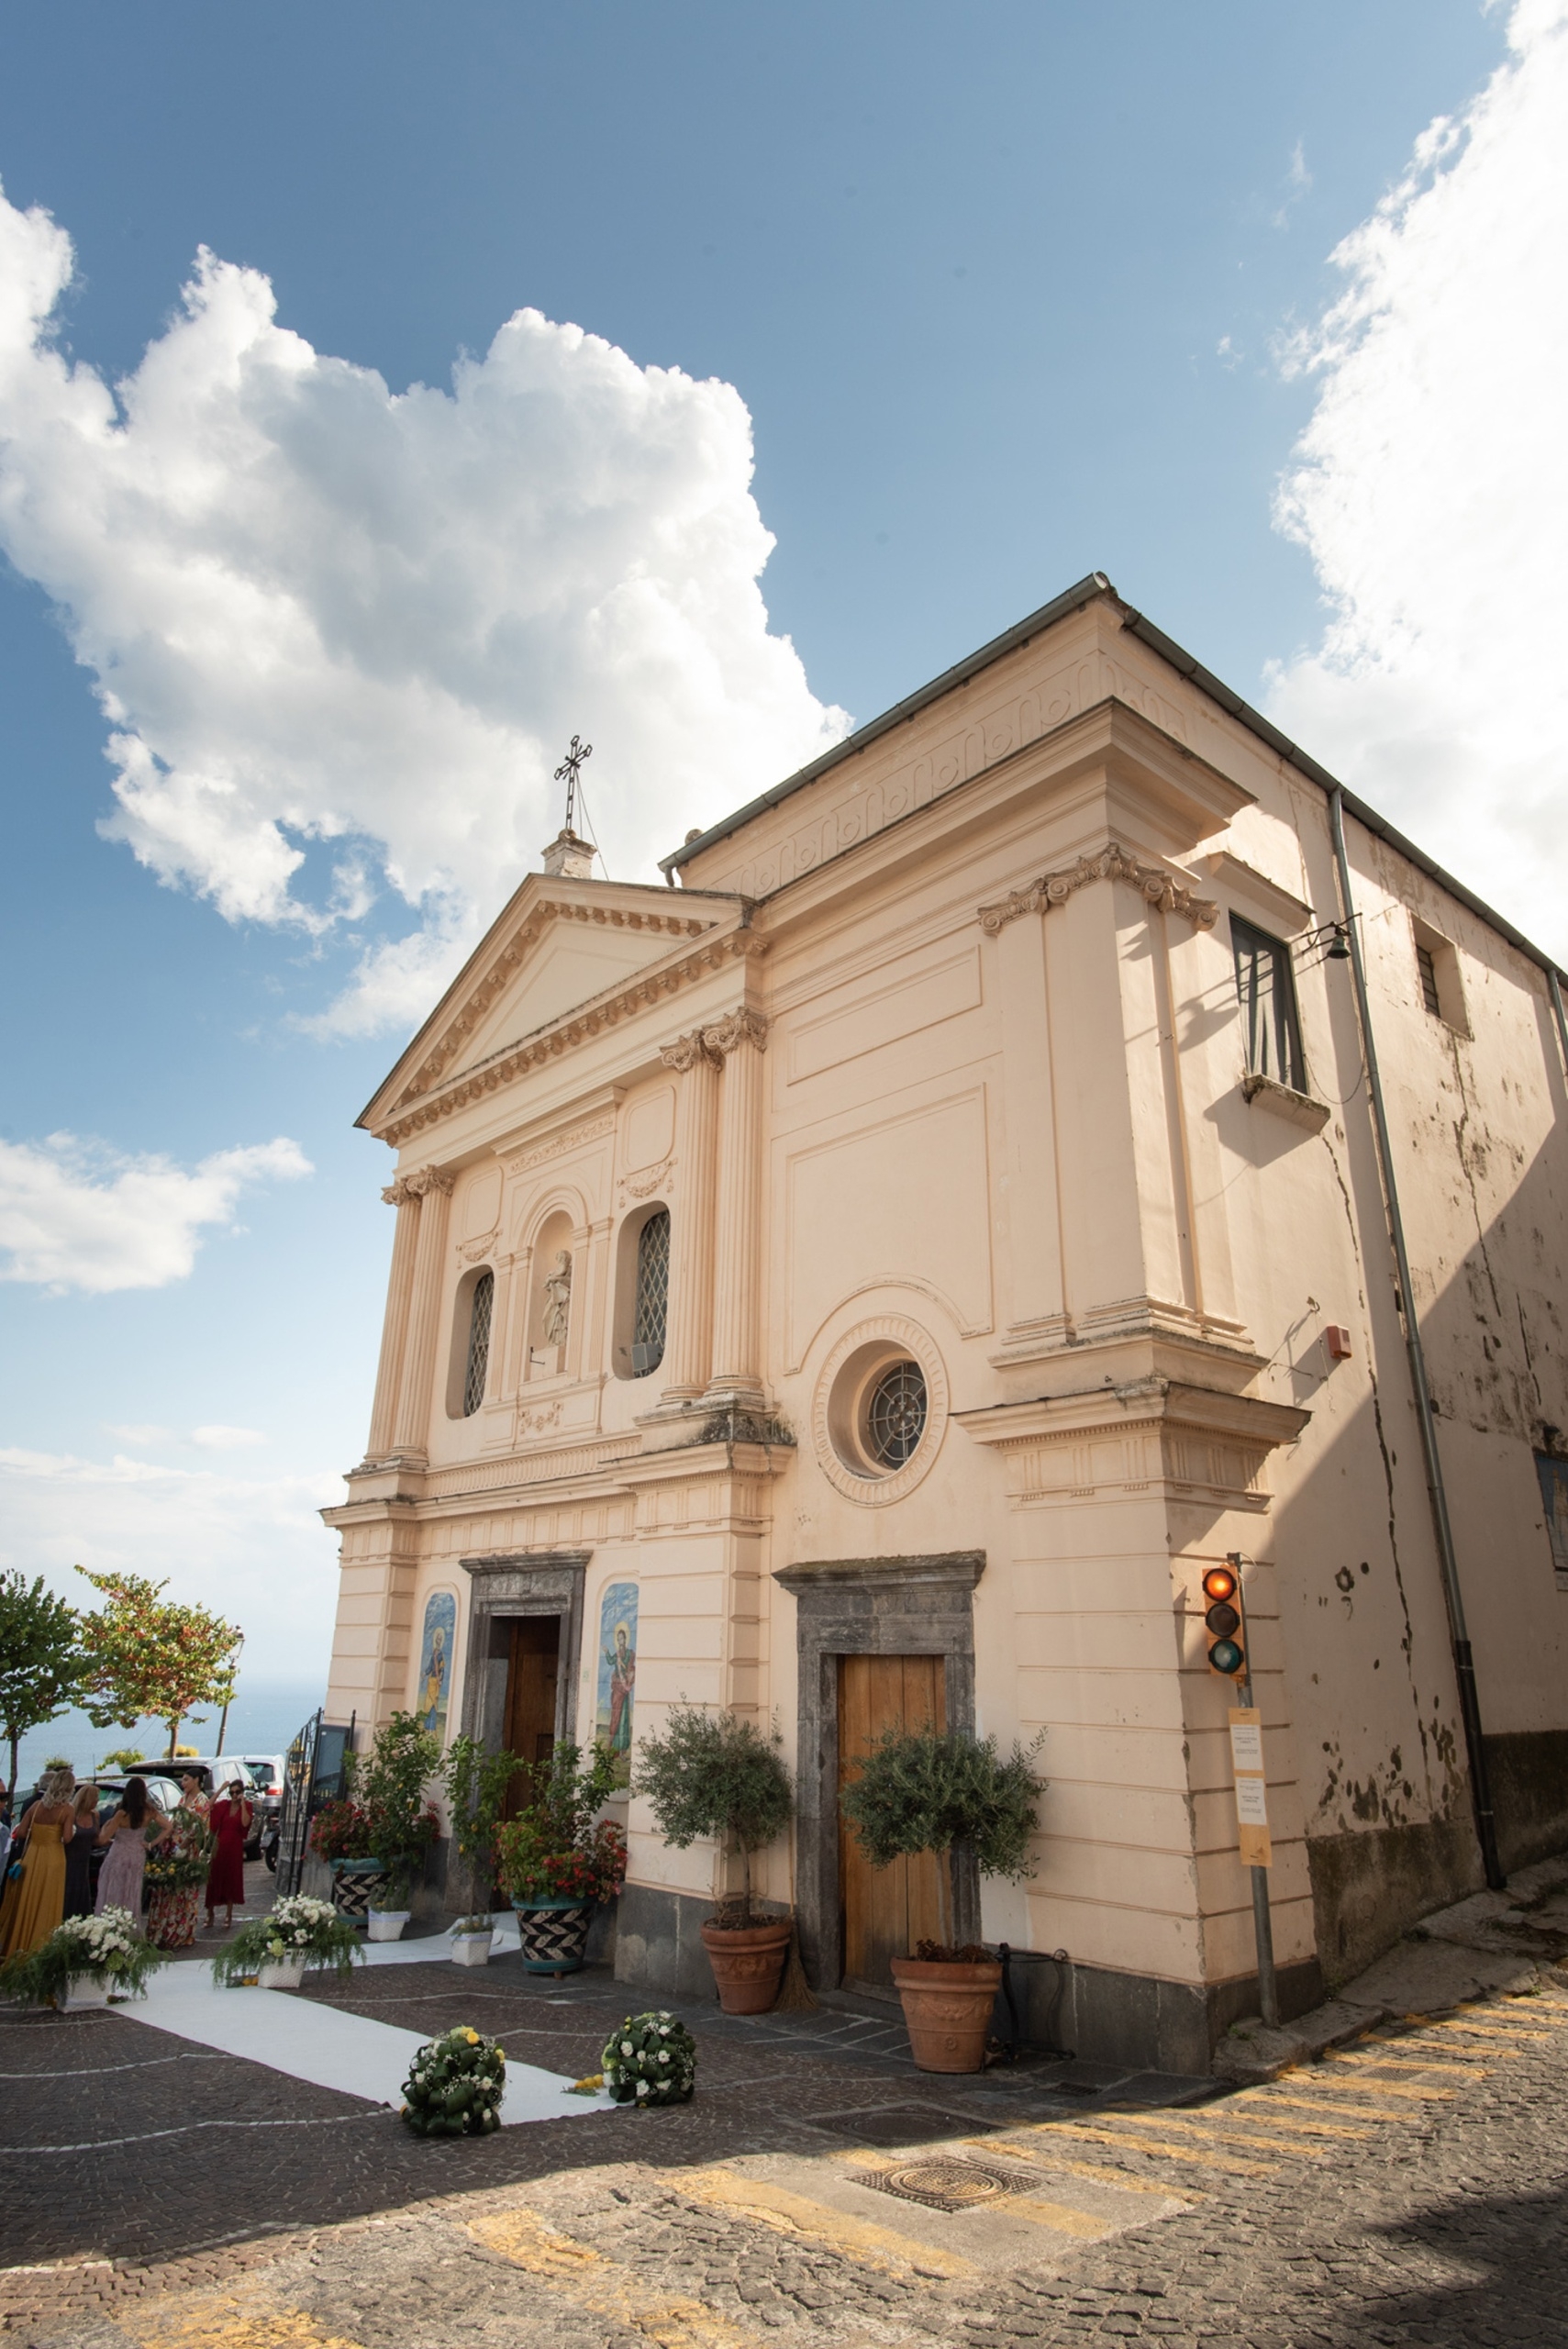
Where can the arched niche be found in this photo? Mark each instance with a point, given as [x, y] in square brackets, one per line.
[547, 1326]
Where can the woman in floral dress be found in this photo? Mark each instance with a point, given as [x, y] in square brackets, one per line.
[180, 1870]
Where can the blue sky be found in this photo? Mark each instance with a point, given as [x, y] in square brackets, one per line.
[1007, 292]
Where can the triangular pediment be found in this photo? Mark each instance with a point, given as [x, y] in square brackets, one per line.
[558, 945]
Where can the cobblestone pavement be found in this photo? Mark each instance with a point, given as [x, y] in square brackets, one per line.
[1408, 2188]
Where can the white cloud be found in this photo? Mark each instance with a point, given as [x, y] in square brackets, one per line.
[1431, 491]
[254, 1549]
[75, 1215]
[1297, 183]
[319, 611]
[222, 1439]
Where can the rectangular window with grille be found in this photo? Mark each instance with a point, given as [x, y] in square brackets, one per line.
[1266, 985]
[1426, 965]
[652, 1294]
[478, 1365]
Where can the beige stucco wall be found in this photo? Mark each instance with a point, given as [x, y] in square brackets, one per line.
[1014, 1143]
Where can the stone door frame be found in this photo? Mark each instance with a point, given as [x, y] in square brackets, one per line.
[921, 1605]
[520, 1581]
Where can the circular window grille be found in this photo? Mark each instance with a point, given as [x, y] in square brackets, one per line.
[895, 1413]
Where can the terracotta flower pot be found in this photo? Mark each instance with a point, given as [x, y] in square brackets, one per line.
[947, 2010]
[748, 1964]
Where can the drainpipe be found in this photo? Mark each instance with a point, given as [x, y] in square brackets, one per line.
[1463, 1660]
[1561, 1021]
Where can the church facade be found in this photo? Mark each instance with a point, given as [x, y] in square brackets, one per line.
[876, 1276]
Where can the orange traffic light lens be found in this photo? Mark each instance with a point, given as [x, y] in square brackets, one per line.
[1219, 1583]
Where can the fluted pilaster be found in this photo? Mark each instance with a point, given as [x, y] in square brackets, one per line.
[411, 1431]
[738, 1042]
[689, 1336]
[394, 1328]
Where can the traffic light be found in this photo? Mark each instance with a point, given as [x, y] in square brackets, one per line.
[1227, 1653]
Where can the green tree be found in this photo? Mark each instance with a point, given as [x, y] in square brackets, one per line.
[711, 1774]
[40, 1660]
[149, 1657]
[934, 1790]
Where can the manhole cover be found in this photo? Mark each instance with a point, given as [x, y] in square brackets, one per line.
[901, 2124]
[946, 2182]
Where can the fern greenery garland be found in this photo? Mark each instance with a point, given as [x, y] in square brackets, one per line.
[455, 2085]
[651, 2059]
[111, 1943]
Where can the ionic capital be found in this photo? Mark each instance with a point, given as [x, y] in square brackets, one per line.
[739, 1027]
[409, 1187]
[686, 1051]
[1111, 863]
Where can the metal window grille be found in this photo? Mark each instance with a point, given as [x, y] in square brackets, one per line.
[478, 1345]
[652, 1294]
[1426, 965]
[1267, 990]
[895, 1413]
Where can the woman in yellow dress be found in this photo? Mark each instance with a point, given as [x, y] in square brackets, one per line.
[35, 1900]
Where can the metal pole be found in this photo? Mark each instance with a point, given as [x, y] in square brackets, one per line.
[1453, 1598]
[1262, 1922]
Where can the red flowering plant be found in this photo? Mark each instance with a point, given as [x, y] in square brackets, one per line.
[555, 1849]
[341, 1830]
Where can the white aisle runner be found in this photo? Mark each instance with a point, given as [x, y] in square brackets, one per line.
[328, 2046]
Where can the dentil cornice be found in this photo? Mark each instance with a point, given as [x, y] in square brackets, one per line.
[577, 1027]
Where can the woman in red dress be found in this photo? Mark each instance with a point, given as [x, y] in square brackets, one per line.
[230, 1820]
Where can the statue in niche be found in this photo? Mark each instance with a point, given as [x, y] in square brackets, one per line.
[558, 1300]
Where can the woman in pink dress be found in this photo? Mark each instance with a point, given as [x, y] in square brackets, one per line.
[230, 1820]
[127, 1833]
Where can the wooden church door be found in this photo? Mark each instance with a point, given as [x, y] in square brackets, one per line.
[886, 1911]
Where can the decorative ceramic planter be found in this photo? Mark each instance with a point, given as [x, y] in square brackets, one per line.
[355, 1884]
[83, 1990]
[472, 1949]
[748, 1964]
[947, 2010]
[387, 1925]
[281, 1973]
[554, 1934]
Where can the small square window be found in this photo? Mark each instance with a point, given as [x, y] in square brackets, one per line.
[1266, 987]
[1438, 977]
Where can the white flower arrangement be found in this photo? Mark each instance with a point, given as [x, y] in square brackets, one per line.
[653, 2059]
[300, 1928]
[110, 1945]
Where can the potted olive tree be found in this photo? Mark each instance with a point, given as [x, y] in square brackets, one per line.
[477, 1787]
[711, 1774]
[403, 1825]
[945, 1792]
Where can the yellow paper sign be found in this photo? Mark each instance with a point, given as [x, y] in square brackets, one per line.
[1252, 1837]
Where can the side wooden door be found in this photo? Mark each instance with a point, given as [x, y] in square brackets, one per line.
[886, 1911]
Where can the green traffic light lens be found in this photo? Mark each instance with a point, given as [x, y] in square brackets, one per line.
[1222, 1619]
[1226, 1656]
